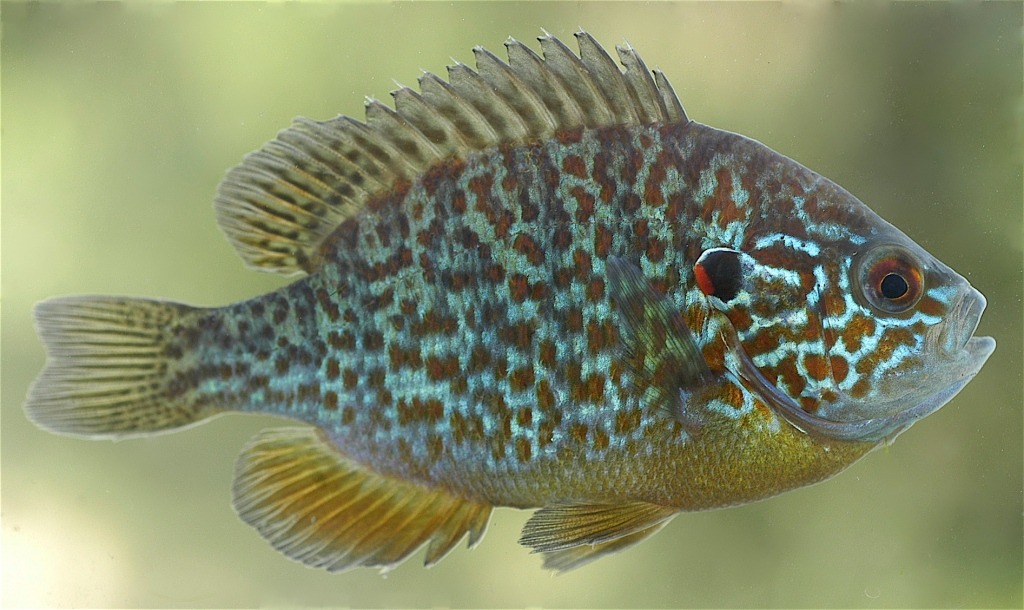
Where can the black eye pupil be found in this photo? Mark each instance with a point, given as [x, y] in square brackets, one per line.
[894, 286]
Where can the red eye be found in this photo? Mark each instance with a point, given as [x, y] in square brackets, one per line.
[891, 279]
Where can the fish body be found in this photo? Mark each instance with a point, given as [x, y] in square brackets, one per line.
[537, 284]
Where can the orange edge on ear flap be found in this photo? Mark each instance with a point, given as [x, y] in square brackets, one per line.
[703, 280]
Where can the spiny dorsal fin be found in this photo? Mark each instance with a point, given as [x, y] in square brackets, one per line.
[283, 200]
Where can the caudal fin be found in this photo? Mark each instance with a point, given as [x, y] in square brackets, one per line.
[111, 368]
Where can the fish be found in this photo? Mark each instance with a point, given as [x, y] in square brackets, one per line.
[535, 284]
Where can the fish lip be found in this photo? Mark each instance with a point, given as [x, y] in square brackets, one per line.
[975, 352]
[964, 316]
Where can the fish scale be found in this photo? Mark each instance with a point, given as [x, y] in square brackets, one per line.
[505, 393]
[535, 285]
[389, 394]
[517, 372]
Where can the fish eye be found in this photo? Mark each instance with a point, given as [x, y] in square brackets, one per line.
[891, 279]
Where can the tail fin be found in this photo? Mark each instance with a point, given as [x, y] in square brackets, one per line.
[110, 368]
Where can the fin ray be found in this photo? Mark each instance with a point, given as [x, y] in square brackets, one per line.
[570, 535]
[659, 348]
[590, 99]
[324, 510]
[562, 526]
[108, 372]
[574, 557]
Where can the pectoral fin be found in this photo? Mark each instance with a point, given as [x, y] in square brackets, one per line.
[571, 535]
[659, 349]
[322, 509]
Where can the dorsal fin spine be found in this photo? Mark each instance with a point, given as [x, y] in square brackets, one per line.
[519, 95]
[608, 77]
[530, 68]
[280, 204]
[475, 129]
[676, 114]
[502, 117]
[642, 87]
[576, 81]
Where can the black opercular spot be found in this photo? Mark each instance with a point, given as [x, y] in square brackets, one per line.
[718, 273]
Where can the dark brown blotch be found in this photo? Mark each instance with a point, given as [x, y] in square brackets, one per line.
[525, 245]
[574, 166]
[584, 204]
[545, 397]
[521, 379]
[518, 288]
[523, 449]
[442, 368]
[602, 241]
[518, 335]
[600, 336]
[333, 369]
[548, 353]
[627, 421]
[349, 379]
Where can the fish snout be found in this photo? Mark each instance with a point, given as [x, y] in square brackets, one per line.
[961, 323]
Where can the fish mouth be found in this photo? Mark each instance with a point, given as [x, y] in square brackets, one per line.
[963, 356]
[971, 357]
[964, 318]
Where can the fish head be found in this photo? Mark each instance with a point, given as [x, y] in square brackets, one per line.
[855, 334]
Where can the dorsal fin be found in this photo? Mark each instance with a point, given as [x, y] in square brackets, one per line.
[283, 200]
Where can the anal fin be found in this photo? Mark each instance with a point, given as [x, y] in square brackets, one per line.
[320, 508]
[571, 535]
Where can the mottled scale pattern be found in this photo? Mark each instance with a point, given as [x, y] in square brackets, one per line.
[462, 325]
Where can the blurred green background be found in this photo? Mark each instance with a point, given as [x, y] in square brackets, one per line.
[118, 122]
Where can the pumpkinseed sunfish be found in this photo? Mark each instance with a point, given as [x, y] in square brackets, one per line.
[536, 284]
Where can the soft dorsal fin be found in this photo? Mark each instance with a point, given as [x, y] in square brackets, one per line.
[283, 200]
